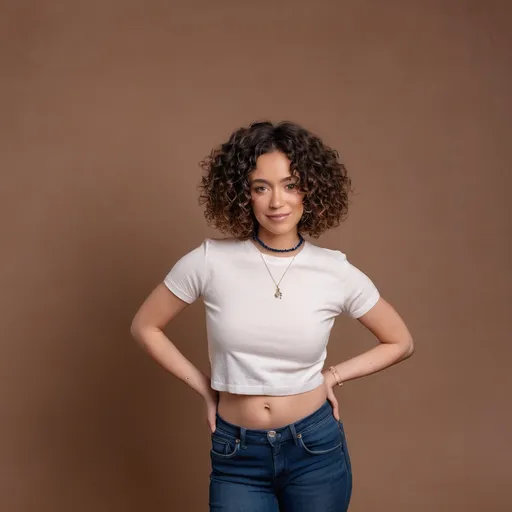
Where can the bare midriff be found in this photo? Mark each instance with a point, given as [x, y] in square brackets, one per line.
[269, 412]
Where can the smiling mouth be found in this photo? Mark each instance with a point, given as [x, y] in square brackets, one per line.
[280, 216]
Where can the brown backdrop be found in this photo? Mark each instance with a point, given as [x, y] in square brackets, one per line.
[106, 108]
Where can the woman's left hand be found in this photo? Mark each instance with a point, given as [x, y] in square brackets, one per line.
[329, 383]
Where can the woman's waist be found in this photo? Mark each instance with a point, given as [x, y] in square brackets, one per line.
[269, 412]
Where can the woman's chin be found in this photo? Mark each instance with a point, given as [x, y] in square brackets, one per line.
[277, 230]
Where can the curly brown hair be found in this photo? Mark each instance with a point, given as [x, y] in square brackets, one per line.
[225, 187]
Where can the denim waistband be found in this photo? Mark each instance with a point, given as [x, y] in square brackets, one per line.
[278, 435]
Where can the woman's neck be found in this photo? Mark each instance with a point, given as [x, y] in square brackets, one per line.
[284, 241]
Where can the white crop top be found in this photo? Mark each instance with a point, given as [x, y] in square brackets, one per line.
[259, 344]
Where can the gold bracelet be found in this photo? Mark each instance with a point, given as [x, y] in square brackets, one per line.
[333, 370]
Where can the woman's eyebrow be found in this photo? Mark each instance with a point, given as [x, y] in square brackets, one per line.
[288, 178]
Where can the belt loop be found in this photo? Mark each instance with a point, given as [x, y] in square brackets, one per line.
[242, 437]
[294, 433]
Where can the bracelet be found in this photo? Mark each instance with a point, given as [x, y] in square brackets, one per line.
[333, 370]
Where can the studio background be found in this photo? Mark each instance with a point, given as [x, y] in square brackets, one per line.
[106, 109]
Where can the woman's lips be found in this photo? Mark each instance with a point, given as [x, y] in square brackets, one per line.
[277, 218]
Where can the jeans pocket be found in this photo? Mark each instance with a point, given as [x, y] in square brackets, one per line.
[224, 445]
[325, 437]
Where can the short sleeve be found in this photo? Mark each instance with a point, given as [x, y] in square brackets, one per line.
[187, 278]
[359, 292]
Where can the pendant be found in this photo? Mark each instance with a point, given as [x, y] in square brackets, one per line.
[278, 294]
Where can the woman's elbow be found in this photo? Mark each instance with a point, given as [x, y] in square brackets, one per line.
[139, 332]
[408, 349]
[135, 331]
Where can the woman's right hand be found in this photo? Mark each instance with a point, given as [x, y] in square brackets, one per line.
[211, 401]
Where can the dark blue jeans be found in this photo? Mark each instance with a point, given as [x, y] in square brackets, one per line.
[303, 467]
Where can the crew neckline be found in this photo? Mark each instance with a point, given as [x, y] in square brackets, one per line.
[271, 257]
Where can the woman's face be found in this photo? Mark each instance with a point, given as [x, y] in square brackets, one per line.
[275, 196]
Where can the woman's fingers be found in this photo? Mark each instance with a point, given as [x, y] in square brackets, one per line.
[211, 416]
[334, 403]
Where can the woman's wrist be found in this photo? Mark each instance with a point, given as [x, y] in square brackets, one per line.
[205, 389]
[329, 379]
[334, 377]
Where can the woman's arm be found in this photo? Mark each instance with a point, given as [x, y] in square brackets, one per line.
[147, 328]
[395, 345]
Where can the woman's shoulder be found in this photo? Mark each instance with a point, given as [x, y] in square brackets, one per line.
[327, 254]
[224, 245]
[210, 249]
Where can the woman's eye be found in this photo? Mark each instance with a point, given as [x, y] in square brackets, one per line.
[291, 186]
[259, 189]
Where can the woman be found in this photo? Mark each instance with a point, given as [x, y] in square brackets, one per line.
[271, 299]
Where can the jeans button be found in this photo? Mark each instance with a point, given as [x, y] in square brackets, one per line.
[272, 433]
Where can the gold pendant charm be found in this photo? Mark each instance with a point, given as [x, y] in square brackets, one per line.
[278, 294]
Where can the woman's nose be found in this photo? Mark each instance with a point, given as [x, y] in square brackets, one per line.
[276, 200]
